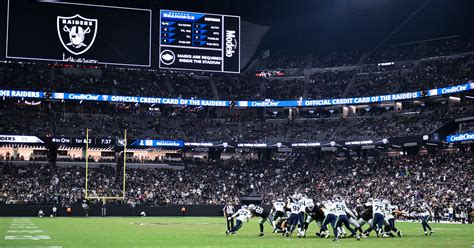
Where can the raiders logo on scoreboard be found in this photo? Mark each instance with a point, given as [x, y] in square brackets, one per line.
[76, 33]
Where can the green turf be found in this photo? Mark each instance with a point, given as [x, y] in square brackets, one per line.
[209, 232]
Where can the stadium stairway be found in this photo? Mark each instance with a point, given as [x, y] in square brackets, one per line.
[307, 78]
[351, 82]
[215, 94]
[168, 83]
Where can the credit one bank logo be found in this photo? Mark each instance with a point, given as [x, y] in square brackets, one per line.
[460, 137]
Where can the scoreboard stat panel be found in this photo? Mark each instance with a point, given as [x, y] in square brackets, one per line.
[198, 41]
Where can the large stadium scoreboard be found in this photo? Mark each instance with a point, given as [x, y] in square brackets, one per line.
[78, 33]
[198, 41]
[74, 32]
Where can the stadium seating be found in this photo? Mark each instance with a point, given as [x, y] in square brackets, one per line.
[405, 179]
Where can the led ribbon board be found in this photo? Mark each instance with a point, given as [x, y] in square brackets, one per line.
[247, 104]
[460, 137]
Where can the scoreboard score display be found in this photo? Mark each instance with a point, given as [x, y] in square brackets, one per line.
[199, 41]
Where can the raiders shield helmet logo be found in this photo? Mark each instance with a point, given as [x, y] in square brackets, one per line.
[76, 33]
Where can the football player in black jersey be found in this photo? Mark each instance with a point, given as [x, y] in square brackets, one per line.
[262, 213]
[364, 212]
[315, 213]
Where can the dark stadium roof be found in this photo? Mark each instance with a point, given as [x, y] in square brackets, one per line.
[302, 25]
[349, 24]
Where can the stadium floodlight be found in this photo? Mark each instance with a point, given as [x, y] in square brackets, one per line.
[104, 198]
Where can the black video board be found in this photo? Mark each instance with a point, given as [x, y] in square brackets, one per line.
[77, 32]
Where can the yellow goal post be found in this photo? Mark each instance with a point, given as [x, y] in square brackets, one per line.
[104, 198]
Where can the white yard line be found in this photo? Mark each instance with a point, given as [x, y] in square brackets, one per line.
[443, 229]
[17, 227]
[27, 237]
[33, 246]
[24, 231]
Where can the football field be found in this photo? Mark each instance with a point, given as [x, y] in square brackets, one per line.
[200, 232]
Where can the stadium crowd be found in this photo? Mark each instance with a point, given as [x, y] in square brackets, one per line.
[431, 67]
[387, 53]
[227, 125]
[441, 179]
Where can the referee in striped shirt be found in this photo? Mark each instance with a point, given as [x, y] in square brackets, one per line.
[229, 210]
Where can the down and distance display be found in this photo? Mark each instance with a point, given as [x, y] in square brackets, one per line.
[198, 41]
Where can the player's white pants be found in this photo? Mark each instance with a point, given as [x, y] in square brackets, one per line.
[308, 220]
[340, 231]
[354, 222]
[277, 216]
[318, 222]
[370, 222]
[362, 222]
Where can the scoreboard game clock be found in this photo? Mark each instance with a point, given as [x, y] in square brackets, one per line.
[199, 41]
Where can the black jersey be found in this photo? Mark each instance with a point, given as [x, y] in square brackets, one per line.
[316, 213]
[260, 212]
[365, 212]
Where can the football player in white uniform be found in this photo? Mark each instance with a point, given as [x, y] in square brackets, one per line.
[390, 218]
[425, 214]
[341, 211]
[378, 209]
[294, 208]
[242, 216]
[278, 212]
[329, 212]
[302, 215]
